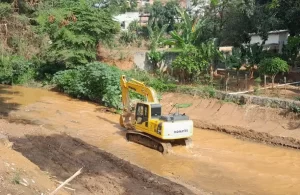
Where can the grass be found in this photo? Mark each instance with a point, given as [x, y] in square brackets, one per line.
[16, 178]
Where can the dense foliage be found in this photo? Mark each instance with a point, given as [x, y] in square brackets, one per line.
[75, 32]
[16, 70]
[190, 63]
[95, 81]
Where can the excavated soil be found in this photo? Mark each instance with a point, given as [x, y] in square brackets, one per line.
[20, 176]
[103, 173]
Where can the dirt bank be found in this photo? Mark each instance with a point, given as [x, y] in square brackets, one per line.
[263, 124]
[19, 175]
[103, 173]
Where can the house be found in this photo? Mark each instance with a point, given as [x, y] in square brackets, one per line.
[126, 18]
[276, 40]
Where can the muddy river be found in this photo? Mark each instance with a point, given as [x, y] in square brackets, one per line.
[217, 163]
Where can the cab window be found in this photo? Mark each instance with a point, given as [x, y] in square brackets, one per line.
[141, 113]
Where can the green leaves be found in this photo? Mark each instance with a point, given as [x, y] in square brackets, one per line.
[272, 66]
[96, 81]
[190, 31]
[190, 61]
[16, 70]
[164, 14]
[5, 10]
[236, 59]
[75, 31]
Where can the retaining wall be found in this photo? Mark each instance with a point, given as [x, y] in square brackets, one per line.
[244, 98]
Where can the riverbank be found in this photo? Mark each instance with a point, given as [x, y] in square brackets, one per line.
[263, 124]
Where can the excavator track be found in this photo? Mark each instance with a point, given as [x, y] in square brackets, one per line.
[148, 141]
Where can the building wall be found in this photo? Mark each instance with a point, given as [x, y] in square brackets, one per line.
[277, 40]
[128, 17]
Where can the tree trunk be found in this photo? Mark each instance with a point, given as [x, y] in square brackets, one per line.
[211, 73]
[273, 79]
[237, 78]
[251, 73]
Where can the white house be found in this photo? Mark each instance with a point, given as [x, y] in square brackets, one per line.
[275, 41]
[126, 18]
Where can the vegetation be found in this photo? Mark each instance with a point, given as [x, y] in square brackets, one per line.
[58, 42]
[273, 66]
[75, 32]
[235, 61]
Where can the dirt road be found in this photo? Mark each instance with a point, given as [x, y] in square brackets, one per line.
[60, 135]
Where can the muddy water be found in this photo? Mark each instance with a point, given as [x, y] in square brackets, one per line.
[217, 162]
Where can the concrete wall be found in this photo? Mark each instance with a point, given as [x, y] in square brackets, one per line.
[141, 61]
[128, 17]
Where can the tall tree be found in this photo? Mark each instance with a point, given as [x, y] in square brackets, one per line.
[289, 12]
[75, 31]
[164, 14]
[189, 32]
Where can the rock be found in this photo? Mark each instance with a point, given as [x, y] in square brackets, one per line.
[5, 142]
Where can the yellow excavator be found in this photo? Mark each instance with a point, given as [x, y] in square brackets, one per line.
[145, 123]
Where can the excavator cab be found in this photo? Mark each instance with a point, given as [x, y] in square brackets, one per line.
[141, 114]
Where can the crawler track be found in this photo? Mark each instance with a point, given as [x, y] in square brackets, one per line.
[148, 141]
[152, 142]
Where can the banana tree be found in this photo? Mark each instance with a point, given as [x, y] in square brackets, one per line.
[253, 55]
[190, 30]
[211, 54]
[155, 37]
[155, 34]
[235, 61]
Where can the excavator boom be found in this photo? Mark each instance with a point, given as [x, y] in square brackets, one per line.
[140, 88]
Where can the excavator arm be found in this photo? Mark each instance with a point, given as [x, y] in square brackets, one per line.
[138, 87]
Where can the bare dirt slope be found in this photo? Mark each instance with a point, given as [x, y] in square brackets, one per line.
[20, 176]
[275, 126]
[103, 173]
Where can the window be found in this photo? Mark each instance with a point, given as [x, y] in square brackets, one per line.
[155, 110]
[141, 113]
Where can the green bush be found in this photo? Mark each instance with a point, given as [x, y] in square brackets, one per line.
[128, 37]
[16, 70]
[190, 62]
[70, 82]
[5, 10]
[95, 81]
[159, 83]
[273, 66]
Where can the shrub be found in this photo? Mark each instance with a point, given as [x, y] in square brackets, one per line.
[5, 9]
[128, 37]
[190, 62]
[96, 81]
[16, 70]
[70, 82]
[160, 83]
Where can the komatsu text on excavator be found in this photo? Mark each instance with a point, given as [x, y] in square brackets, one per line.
[145, 123]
